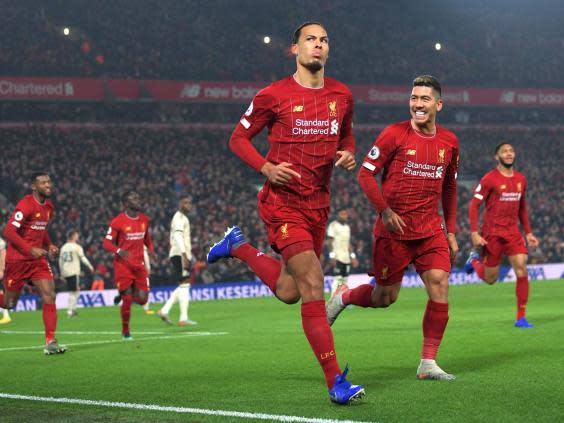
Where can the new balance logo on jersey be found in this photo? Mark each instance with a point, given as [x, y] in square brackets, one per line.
[298, 109]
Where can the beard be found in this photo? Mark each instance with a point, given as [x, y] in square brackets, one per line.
[506, 164]
[313, 66]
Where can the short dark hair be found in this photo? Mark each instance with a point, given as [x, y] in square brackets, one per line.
[501, 144]
[127, 194]
[36, 175]
[298, 31]
[185, 197]
[71, 233]
[428, 81]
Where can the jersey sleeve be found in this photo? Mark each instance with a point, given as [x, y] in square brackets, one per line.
[523, 211]
[331, 230]
[379, 155]
[481, 193]
[381, 152]
[449, 194]
[148, 241]
[347, 141]
[110, 239]
[259, 114]
[14, 224]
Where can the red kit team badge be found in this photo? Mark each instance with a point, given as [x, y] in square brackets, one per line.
[333, 108]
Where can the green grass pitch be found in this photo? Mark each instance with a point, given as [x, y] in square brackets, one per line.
[257, 360]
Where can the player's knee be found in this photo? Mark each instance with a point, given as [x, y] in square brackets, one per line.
[386, 301]
[289, 299]
[521, 271]
[490, 279]
[49, 298]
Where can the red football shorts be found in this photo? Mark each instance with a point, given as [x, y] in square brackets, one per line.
[20, 272]
[391, 257]
[293, 231]
[126, 276]
[497, 246]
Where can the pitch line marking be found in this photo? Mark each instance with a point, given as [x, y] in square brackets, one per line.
[120, 341]
[70, 332]
[181, 410]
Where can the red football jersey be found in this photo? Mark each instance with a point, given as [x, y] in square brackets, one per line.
[418, 170]
[505, 203]
[131, 234]
[27, 228]
[306, 127]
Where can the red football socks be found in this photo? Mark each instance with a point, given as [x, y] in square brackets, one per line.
[266, 268]
[360, 296]
[2, 299]
[125, 311]
[479, 268]
[50, 321]
[522, 293]
[320, 337]
[434, 324]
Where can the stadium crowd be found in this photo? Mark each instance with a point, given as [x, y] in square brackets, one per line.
[180, 40]
[92, 165]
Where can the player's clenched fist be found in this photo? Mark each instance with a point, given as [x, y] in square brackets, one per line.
[345, 159]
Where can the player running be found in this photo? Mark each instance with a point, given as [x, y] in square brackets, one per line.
[127, 234]
[309, 120]
[29, 245]
[418, 160]
[503, 191]
[340, 249]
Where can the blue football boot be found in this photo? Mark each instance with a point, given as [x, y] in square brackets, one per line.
[343, 392]
[523, 323]
[222, 249]
[468, 268]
